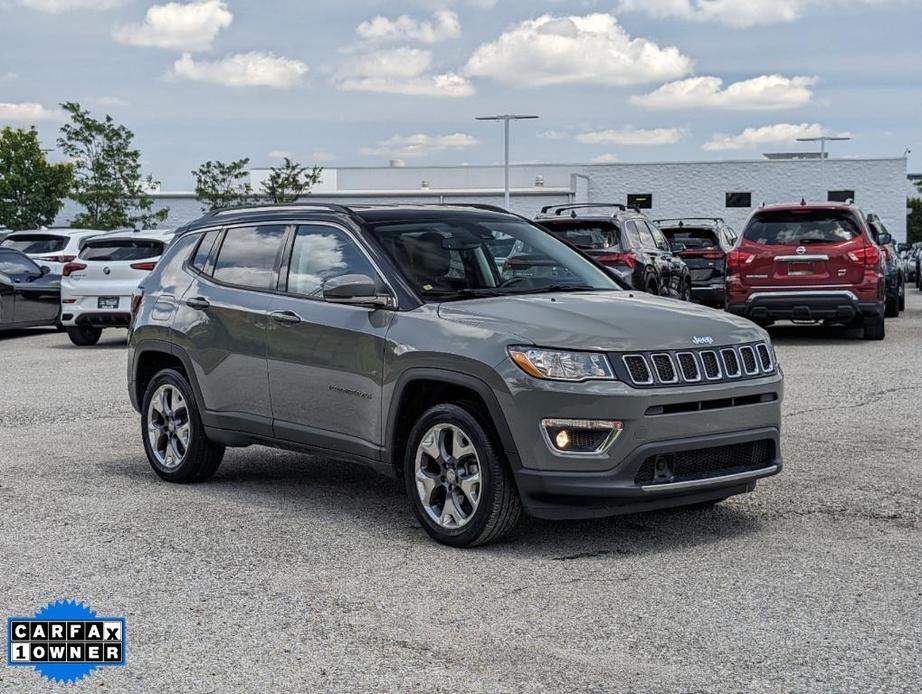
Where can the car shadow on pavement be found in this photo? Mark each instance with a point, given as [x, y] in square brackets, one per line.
[26, 332]
[815, 335]
[104, 343]
[361, 500]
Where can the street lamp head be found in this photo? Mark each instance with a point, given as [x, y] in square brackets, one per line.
[506, 117]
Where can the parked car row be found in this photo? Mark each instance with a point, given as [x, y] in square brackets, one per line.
[804, 262]
[77, 279]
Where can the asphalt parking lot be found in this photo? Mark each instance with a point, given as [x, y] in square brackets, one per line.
[293, 573]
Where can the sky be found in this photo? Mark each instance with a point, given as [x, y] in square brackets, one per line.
[362, 82]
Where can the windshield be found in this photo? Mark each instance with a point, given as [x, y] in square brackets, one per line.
[794, 228]
[692, 238]
[35, 243]
[447, 260]
[121, 249]
[591, 236]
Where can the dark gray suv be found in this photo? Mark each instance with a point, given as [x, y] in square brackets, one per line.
[393, 337]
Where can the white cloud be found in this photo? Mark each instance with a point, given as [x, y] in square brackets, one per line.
[632, 136]
[764, 93]
[56, 6]
[279, 154]
[322, 155]
[176, 26]
[405, 71]
[419, 145]
[553, 135]
[107, 101]
[605, 159]
[444, 26]
[29, 112]
[738, 13]
[254, 69]
[766, 135]
[593, 49]
[9, 77]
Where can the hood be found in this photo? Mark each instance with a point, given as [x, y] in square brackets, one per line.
[604, 321]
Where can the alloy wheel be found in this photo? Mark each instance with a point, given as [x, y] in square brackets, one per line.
[448, 476]
[168, 426]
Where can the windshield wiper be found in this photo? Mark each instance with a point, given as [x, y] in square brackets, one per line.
[560, 288]
[813, 239]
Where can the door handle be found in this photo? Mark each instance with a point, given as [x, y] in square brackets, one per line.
[198, 303]
[285, 317]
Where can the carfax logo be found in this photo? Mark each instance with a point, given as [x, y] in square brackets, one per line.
[65, 641]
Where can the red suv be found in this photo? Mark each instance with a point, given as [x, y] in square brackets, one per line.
[808, 262]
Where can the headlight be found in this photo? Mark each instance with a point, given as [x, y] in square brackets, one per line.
[557, 365]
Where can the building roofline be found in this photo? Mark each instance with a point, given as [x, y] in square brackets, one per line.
[602, 164]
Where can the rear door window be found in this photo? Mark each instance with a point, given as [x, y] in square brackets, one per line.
[14, 265]
[795, 228]
[249, 255]
[121, 249]
[35, 243]
[203, 252]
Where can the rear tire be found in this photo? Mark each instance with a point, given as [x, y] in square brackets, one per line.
[902, 300]
[174, 437]
[84, 335]
[892, 307]
[461, 501]
[874, 329]
[651, 288]
[687, 292]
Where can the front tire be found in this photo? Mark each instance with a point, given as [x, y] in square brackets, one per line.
[902, 299]
[174, 437]
[460, 488]
[84, 335]
[687, 292]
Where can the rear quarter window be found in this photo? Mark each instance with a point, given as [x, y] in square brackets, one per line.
[121, 249]
[795, 228]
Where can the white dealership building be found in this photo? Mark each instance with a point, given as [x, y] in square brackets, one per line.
[727, 189]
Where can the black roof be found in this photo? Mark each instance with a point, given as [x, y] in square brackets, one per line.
[370, 214]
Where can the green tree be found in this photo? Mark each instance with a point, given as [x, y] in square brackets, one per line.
[108, 182]
[290, 181]
[32, 190]
[219, 185]
[914, 230]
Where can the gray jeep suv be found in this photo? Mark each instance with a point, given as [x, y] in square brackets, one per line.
[391, 336]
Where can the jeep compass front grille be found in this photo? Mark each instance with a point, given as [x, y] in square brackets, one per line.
[673, 368]
[716, 461]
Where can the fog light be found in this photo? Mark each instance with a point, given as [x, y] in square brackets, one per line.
[562, 439]
[580, 436]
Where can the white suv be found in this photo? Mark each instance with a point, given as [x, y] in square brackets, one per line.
[52, 247]
[96, 287]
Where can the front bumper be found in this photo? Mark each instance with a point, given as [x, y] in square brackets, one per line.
[807, 305]
[573, 495]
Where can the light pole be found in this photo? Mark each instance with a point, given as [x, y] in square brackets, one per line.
[823, 140]
[506, 119]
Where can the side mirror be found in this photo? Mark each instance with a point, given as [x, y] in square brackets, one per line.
[884, 238]
[45, 270]
[677, 247]
[359, 290]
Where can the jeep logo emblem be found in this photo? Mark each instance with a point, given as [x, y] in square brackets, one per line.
[800, 250]
[707, 340]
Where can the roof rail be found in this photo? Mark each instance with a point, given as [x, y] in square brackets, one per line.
[331, 207]
[562, 208]
[690, 219]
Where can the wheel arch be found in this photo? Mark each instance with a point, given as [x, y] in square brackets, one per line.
[417, 389]
[152, 356]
